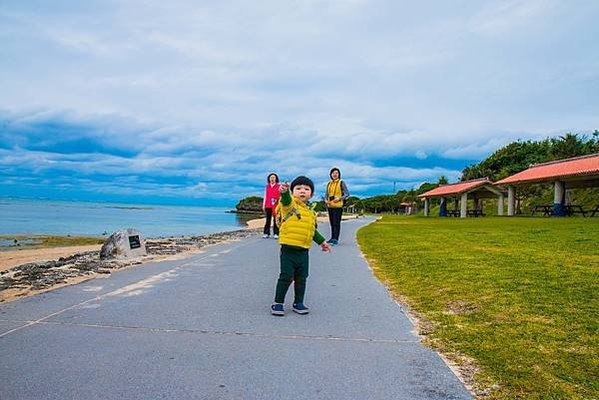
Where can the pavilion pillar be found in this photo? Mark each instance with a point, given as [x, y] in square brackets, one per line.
[464, 205]
[511, 200]
[500, 204]
[426, 206]
[559, 196]
[443, 207]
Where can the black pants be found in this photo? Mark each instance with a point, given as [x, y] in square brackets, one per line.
[267, 224]
[294, 268]
[335, 220]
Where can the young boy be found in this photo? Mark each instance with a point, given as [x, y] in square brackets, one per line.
[297, 229]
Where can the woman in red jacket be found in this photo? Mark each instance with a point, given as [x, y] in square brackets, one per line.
[271, 199]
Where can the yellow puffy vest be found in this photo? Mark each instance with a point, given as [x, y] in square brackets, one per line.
[296, 231]
[334, 189]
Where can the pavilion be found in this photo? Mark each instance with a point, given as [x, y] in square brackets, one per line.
[476, 189]
[408, 207]
[577, 172]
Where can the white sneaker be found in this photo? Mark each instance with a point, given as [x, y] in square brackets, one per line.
[275, 236]
[265, 236]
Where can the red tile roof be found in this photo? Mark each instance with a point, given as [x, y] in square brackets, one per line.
[568, 168]
[456, 188]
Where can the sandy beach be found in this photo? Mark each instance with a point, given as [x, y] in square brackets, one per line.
[9, 259]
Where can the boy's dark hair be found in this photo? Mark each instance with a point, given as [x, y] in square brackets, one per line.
[334, 169]
[269, 175]
[302, 180]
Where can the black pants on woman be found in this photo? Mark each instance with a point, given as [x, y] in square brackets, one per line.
[267, 224]
[335, 220]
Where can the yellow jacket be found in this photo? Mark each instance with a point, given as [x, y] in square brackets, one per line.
[335, 189]
[297, 223]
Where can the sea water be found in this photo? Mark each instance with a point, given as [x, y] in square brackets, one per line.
[43, 217]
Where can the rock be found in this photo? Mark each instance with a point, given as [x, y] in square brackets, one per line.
[124, 244]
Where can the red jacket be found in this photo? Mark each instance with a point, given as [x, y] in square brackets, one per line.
[271, 196]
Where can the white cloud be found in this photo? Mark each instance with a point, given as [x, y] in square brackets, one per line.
[209, 91]
[507, 17]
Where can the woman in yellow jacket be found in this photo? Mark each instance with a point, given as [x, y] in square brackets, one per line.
[336, 195]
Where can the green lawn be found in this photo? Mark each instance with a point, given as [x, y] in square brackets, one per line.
[520, 296]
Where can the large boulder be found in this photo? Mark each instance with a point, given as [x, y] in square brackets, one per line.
[127, 243]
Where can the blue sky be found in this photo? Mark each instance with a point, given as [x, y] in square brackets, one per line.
[195, 102]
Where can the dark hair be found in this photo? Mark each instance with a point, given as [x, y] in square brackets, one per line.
[302, 180]
[334, 169]
[269, 175]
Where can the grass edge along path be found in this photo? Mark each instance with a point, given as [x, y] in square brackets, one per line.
[512, 301]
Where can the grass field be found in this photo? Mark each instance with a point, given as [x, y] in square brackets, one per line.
[519, 296]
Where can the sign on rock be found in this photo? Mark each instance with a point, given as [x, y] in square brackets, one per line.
[127, 243]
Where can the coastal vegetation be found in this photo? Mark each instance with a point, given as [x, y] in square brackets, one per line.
[12, 242]
[250, 205]
[519, 296]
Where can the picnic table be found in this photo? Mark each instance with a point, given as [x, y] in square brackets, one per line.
[546, 210]
[475, 213]
[574, 209]
[569, 210]
[594, 210]
[453, 213]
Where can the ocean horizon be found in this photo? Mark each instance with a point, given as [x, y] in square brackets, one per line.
[80, 218]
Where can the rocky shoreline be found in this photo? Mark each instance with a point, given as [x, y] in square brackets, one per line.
[33, 277]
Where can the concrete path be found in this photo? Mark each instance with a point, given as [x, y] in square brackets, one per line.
[200, 328]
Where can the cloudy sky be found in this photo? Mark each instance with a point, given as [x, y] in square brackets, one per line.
[194, 102]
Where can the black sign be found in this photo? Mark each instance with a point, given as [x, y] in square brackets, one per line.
[134, 242]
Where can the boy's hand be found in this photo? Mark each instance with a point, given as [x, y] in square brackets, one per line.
[326, 247]
[284, 187]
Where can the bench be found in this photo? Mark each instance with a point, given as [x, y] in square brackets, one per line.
[475, 213]
[546, 210]
[453, 213]
[571, 210]
[471, 213]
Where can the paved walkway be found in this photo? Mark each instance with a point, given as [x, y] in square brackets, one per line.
[200, 328]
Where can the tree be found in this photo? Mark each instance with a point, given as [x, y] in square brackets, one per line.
[570, 145]
[508, 160]
[471, 172]
[425, 187]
